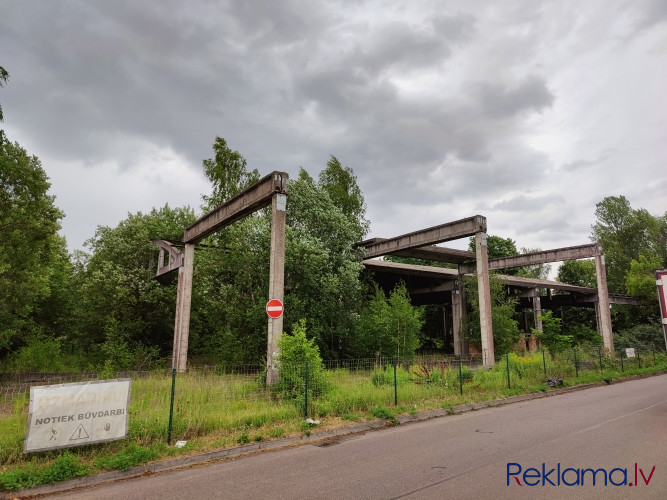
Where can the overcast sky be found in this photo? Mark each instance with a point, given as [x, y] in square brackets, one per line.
[527, 112]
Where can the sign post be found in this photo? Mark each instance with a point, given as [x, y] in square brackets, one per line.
[274, 308]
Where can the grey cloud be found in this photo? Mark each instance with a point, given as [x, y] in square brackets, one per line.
[455, 28]
[523, 203]
[502, 101]
[583, 164]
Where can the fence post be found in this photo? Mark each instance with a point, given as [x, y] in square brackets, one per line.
[600, 356]
[639, 359]
[507, 362]
[395, 382]
[305, 410]
[621, 353]
[171, 404]
[544, 363]
[576, 363]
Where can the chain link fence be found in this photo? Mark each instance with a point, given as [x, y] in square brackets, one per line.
[234, 405]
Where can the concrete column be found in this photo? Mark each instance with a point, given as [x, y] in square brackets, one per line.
[276, 284]
[183, 301]
[484, 292]
[537, 312]
[604, 313]
[457, 317]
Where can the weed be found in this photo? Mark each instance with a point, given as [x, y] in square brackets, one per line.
[276, 432]
[128, 457]
[381, 412]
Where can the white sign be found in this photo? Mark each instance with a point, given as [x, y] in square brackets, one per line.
[66, 415]
[629, 352]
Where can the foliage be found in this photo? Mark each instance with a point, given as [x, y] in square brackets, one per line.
[625, 234]
[506, 247]
[130, 456]
[388, 326]
[40, 354]
[295, 351]
[322, 267]
[551, 336]
[340, 184]
[578, 272]
[505, 328]
[4, 76]
[32, 255]
[579, 322]
[123, 309]
[65, 466]
[648, 336]
[227, 173]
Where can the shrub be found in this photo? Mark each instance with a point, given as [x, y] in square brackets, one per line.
[295, 351]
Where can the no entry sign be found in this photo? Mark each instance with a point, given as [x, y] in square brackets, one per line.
[274, 308]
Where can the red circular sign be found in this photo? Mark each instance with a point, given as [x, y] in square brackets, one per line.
[274, 308]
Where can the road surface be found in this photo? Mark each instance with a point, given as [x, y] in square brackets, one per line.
[512, 451]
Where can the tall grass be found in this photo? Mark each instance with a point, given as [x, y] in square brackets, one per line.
[214, 410]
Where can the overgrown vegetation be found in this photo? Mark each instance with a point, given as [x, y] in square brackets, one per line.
[217, 410]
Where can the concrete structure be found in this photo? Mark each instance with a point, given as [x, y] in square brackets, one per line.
[271, 189]
[437, 285]
[413, 244]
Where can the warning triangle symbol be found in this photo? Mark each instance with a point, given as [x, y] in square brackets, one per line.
[79, 433]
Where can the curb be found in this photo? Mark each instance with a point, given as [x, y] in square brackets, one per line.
[248, 449]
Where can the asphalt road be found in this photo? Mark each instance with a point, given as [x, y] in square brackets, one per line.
[459, 456]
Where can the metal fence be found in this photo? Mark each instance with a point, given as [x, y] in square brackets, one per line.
[233, 403]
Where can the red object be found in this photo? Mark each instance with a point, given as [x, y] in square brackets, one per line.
[274, 308]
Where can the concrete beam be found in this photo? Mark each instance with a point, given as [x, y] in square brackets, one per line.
[543, 257]
[437, 254]
[442, 287]
[176, 257]
[253, 198]
[437, 234]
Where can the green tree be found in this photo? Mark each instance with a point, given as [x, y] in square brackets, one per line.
[625, 234]
[296, 349]
[321, 276]
[340, 184]
[31, 252]
[4, 76]
[388, 326]
[640, 281]
[579, 322]
[551, 336]
[228, 174]
[496, 246]
[124, 315]
[578, 272]
[503, 309]
[322, 267]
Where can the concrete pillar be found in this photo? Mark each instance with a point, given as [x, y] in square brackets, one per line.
[484, 292]
[444, 325]
[603, 313]
[537, 312]
[276, 284]
[183, 301]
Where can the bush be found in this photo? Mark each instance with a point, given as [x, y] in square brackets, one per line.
[295, 351]
[40, 354]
